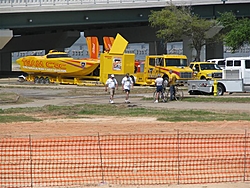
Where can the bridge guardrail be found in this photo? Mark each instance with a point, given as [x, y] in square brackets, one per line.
[26, 3]
[18, 6]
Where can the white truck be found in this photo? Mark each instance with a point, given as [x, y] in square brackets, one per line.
[235, 78]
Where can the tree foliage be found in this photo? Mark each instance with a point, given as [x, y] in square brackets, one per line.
[236, 31]
[173, 23]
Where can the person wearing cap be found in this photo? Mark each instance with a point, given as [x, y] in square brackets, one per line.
[172, 82]
[112, 84]
[127, 84]
[159, 86]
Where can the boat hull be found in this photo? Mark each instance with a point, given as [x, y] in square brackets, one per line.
[57, 66]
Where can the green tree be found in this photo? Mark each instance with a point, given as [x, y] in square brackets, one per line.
[173, 23]
[236, 31]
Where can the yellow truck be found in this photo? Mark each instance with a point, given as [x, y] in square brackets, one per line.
[206, 70]
[59, 67]
[146, 71]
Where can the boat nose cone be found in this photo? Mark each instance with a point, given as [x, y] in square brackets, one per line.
[19, 60]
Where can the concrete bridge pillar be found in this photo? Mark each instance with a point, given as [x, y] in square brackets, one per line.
[187, 49]
[215, 51]
[5, 62]
[5, 36]
[48, 41]
[157, 48]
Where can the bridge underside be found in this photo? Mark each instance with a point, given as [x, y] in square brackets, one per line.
[59, 30]
[47, 41]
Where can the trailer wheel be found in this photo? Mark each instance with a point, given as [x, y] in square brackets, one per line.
[36, 80]
[220, 90]
[46, 80]
[41, 80]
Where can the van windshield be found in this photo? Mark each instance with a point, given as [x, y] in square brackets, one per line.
[176, 62]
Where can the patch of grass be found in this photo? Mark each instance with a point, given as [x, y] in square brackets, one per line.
[15, 118]
[202, 116]
[8, 98]
[122, 110]
[211, 99]
[164, 114]
[218, 99]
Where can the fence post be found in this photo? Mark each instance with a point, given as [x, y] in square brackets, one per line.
[178, 151]
[245, 155]
[31, 164]
[100, 151]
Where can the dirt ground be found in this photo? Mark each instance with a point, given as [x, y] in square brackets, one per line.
[103, 125]
[94, 125]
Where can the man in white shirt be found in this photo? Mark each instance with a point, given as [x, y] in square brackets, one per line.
[112, 84]
[127, 84]
[159, 87]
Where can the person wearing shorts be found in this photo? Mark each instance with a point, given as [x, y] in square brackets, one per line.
[112, 84]
[159, 86]
[127, 84]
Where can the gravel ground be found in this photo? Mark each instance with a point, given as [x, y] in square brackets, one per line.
[64, 95]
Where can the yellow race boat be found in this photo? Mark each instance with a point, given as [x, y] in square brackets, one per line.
[59, 67]
[55, 63]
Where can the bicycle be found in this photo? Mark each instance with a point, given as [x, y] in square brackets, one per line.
[178, 94]
[162, 95]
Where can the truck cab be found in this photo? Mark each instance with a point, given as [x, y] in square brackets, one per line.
[146, 71]
[205, 70]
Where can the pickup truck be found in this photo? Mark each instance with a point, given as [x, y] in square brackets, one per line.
[205, 70]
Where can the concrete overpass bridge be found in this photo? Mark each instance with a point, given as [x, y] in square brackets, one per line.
[46, 24]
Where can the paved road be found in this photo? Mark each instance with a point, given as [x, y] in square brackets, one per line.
[60, 95]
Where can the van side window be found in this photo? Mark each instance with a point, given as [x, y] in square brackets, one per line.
[221, 63]
[229, 63]
[237, 63]
[247, 64]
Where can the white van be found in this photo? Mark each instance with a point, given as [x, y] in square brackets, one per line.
[220, 62]
[240, 65]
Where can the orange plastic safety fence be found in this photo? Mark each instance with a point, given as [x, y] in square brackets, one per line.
[125, 159]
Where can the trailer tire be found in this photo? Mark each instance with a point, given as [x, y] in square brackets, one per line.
[36, 80]
[46, 80]
[220, 90]
[41, 80]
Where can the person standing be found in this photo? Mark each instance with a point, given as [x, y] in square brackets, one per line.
[159, 86]
[172, 82]
[127, 84]
[112, 84]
